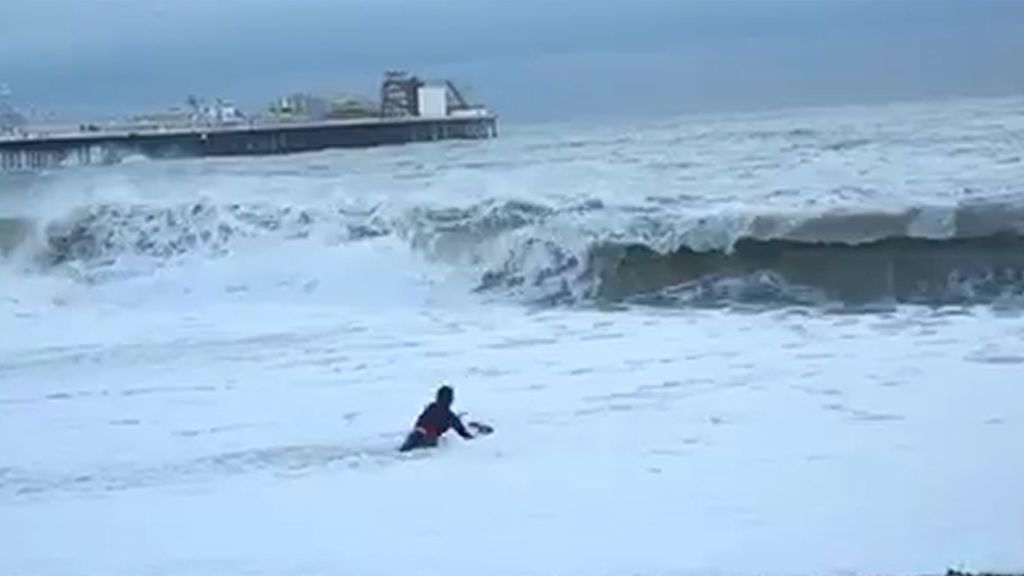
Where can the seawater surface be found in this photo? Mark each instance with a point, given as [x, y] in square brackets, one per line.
[776, 343]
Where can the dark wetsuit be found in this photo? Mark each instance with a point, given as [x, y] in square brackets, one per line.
[435, 420]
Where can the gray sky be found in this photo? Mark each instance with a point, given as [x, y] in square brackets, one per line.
[528, 59]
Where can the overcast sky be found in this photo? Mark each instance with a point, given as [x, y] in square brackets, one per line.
[528, 59]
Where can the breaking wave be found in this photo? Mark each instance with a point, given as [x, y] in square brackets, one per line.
[899, 269]
[971, 252]
[98, 235]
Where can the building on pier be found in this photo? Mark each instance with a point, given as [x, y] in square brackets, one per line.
[411, 110]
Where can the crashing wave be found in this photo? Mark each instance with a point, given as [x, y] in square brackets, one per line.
[969, 252]
[99, 234]
[899, 269]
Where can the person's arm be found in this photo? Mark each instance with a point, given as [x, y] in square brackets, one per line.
[459, 428]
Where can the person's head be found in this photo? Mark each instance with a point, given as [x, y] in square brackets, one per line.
[445, 395]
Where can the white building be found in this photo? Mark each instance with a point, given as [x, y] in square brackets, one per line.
[432, 101]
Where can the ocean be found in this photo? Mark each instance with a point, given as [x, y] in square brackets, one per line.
[785, 342]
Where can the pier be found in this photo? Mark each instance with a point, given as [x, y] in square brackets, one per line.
[50, 151]
[410, 112]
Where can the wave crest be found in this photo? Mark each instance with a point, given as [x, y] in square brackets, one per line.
[99, 234]
[899, 269]
[967, 253]
[589, 251]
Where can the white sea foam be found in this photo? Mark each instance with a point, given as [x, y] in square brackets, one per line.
[205, 366]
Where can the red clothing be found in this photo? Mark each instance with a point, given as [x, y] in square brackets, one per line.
[436, 419]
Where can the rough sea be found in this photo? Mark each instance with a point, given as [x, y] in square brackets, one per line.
[767, 343]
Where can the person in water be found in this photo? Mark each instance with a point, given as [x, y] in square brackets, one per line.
[436, 419]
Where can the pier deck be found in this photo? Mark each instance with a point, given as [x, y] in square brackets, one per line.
[37, 151]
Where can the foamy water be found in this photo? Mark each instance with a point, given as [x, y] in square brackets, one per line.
[788, 343]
